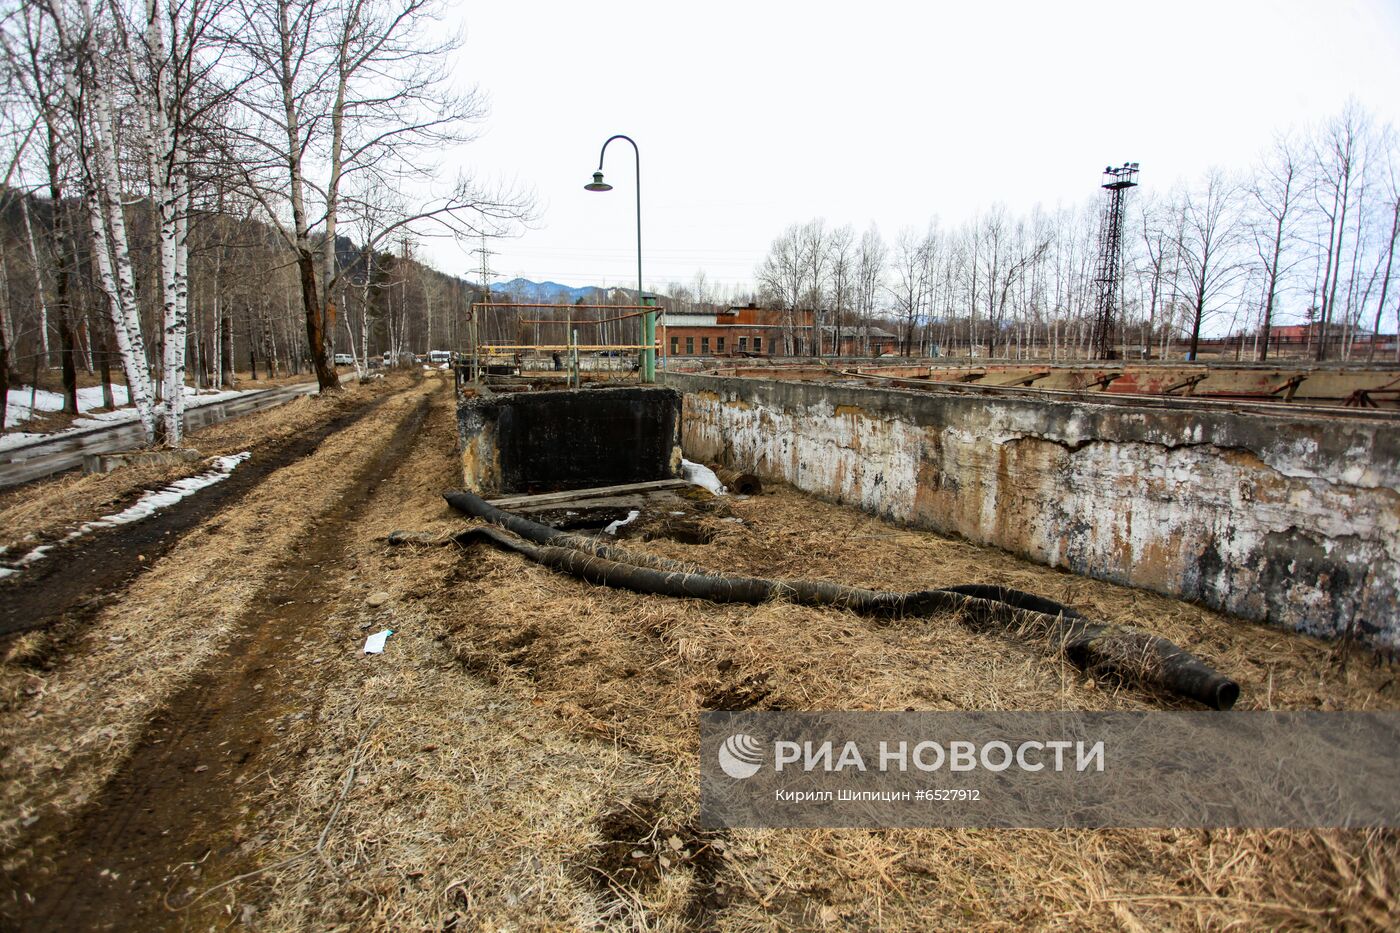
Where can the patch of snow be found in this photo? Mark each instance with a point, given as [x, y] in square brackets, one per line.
[18, 405]
[19, 439]
[612, 527]
[153, 502]
[700, 475]
[89, 397]
[149, 504]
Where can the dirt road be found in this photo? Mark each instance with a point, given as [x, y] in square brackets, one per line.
[104, 862]
[178, 791]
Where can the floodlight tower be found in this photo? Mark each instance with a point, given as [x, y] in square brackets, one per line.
[1116, 182]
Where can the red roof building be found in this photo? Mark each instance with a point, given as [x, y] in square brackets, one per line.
[758, 332]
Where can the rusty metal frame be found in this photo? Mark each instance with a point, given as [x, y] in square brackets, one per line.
[1257, 406]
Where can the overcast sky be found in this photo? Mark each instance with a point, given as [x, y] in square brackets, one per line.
[754, 115]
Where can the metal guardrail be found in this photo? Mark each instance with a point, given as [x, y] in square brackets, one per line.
[37, 459]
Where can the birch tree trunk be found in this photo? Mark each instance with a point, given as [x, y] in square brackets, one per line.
[38, 277]
[176, 295]
[111, 251]
[125, 329]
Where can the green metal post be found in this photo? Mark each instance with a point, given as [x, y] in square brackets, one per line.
[649, 338]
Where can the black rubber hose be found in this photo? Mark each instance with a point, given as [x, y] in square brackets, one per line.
[477, 507]
[1018, 598]
[1104, 650]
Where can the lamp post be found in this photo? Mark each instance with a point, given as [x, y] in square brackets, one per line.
[648, 317]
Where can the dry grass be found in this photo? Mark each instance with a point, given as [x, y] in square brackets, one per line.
[533, 758]
[66, 726]
[524, 753]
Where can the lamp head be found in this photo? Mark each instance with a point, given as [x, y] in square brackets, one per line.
[598, 184]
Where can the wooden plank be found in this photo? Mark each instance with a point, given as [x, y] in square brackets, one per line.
[597, 492]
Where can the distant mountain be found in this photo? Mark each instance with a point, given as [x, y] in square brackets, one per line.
[554, 293]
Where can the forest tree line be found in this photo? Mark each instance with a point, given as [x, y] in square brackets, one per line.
[186, 180]
[1307, 234]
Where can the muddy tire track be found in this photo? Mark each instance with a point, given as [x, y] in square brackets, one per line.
[179, 798]
[74, 581]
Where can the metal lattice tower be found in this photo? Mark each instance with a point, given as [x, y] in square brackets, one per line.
[1110, 271]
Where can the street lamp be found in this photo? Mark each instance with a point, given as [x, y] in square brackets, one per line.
[648, 317]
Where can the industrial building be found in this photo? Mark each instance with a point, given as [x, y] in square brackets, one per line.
[764, 332]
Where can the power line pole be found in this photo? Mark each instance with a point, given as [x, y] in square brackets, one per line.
[1110, 271]
[486, 275]
[485, 271]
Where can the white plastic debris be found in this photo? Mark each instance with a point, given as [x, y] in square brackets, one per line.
[700, 475]
[612, 527]
[375, 643]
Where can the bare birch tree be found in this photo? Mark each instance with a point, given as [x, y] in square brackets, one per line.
[1207, 244]
[1275, 191]
[1337, 163]
[354, 89]
[841, 261]
[1390, 192]
[783, 276]
[871, 259]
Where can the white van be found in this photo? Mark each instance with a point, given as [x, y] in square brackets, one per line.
[438, 357]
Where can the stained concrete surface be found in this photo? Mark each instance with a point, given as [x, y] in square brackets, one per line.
[1291, 519]
[530, 442]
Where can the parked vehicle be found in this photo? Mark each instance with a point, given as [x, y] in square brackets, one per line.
[438, 357]
[344, 359]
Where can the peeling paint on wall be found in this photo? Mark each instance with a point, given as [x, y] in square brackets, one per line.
[1292, 520]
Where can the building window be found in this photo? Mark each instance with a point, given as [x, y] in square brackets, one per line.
[719, 344]
[690, 346]
[743, 344]
[675, 346]
[705, 345]
[758, 344]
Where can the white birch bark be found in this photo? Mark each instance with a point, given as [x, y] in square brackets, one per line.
[169, 186]
[130, 344]
[176, 315]
[112, 251]
[362, 363]
[38, 279]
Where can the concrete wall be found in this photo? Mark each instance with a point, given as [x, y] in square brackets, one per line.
[1294, 520]
[529, 442]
